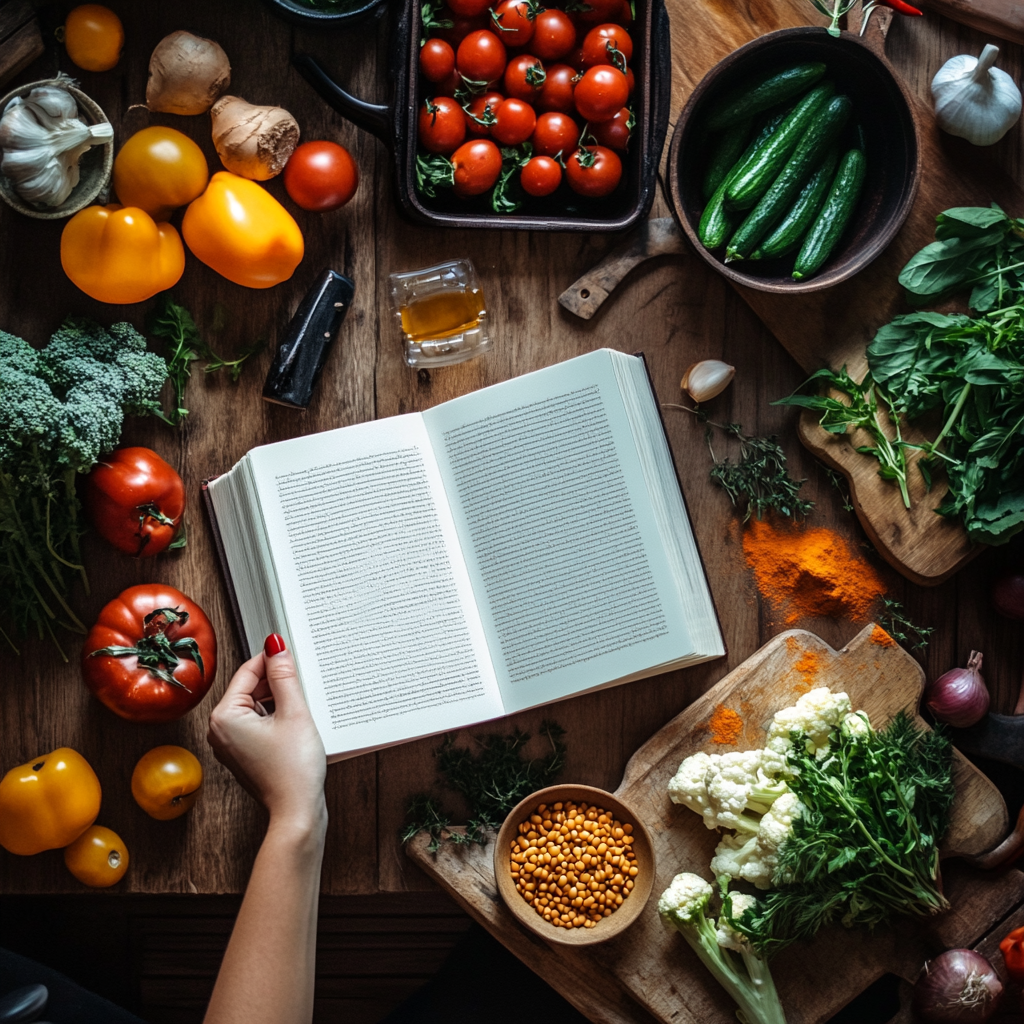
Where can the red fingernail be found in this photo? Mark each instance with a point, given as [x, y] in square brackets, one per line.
[274, 644]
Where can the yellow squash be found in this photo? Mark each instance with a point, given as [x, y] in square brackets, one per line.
[240, 230]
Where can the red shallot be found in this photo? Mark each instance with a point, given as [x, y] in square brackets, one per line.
[1008, 596]
[959, 697]
[958, 987]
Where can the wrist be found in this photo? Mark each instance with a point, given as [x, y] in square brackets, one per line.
[308, 825]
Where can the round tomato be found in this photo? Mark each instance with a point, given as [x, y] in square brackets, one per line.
[98, 857]
[513, 22]
[135, 501]
[630, 80]
[557, 91]
[93, 37]
[574, 58]
[541, 176]
[614, 133]
[437, 60]
[477, 165]
[555, 133]
[554, 35]
[514, 122]
[600, 45]
[158, 170]
[166, 782]
[479, 114]
[524, 77]
[593, 171]
[625, 14]
[442, 125]
[152, 654]
[601, 93]
[461, 25]
[481, 57]
[450, 86]
[469, 8]
[600, 11]
[321, 176]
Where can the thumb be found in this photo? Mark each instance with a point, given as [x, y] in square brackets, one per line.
[282, 676]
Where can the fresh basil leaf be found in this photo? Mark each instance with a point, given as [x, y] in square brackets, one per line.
[969, 221]
[947, 265]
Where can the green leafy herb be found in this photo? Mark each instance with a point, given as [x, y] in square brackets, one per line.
[838, 481]
[897, 624]
[513, 158]
[433, 172]
[429, 16]
[492, 777]
[865, 847]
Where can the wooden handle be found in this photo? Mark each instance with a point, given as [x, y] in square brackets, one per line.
[1001, 18]
[1008, 850]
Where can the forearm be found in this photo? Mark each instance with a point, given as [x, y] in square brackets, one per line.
[268, 971]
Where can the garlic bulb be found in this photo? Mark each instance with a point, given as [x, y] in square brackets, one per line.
[708, 378]
[975, 100]
[42, 141]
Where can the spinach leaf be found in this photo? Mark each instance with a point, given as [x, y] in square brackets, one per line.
[969, 221]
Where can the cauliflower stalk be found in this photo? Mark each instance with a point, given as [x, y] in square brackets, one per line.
[723, 950]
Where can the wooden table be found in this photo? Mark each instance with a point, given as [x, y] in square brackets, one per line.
[676, 309]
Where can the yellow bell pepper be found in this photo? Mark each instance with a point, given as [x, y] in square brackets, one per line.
[119, 254]
[240, 230]
[48, 802]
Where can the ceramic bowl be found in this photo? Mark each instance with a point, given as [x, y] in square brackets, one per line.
[607, 927]
[95, 166]
[882, 108]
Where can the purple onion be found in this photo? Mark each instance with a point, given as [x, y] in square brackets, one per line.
[959, 697]
[1008, 596]
[957, 987]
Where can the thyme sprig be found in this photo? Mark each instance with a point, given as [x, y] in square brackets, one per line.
[895, 621]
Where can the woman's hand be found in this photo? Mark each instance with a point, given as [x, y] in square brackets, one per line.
[277, 756]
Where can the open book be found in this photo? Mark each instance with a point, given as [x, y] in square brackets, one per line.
[506, 549]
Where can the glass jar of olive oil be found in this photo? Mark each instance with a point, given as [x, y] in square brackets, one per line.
[442, 313]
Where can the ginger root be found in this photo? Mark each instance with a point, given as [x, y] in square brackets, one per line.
[254, 142]
[186, 74]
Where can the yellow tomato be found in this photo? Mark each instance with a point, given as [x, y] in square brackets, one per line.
[158, 170]
[48, 802]
[166, 782]
[120, 254]
[240, 230]
[93, 36]
[98, 857]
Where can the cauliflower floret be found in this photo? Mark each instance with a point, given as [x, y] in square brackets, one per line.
[728, 937]
[857, 725]
[740, 856]
[816, 714]
[685, 900]
[689, 784]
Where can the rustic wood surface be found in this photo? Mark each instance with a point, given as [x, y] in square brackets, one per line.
[675, 309]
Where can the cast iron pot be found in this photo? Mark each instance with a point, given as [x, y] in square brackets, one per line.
[394, 124]
[882, 107]
[312, 17]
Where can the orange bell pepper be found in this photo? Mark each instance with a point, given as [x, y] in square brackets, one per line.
[48, 802]
[240, 230]
[119, 254]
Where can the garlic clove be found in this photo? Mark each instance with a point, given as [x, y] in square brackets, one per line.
[706, 379]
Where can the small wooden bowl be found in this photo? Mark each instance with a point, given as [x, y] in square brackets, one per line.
[882, 106]
[94, 168]
[607, 927]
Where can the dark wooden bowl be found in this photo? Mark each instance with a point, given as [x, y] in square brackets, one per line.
[882, 107]
[313, 17]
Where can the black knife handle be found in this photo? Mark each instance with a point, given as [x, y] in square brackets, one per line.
[302, 352]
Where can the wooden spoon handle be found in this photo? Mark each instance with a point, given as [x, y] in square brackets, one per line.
[1009, 849]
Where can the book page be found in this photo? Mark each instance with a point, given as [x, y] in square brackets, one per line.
[552, 510]
[379, 603]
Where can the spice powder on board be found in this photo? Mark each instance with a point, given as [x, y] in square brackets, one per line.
[810, 572]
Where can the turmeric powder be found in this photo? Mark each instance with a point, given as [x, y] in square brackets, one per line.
[725, 725]
[880, 637]
[810, 572]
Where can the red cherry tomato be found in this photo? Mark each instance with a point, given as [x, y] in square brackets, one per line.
[437, 60]
[480, 113]
[481, 57]
[321, 176]
[554, 35]
[152, 654]
[575, 59]
[514, 122]
[477, 165]
[630, 80]
[541, 176]
[555, 133]
[450, 85]
[614, 133]
[600, 42]
[625, 14]
[442, 125]
[469, 8]
[524, 77]
[512, 23]
[593, 171]
[557, 91]
[135, 501]
[601, 11]
[461, 26]
[601, 93]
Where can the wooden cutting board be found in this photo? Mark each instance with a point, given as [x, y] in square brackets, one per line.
[649, 973]
[834, 327]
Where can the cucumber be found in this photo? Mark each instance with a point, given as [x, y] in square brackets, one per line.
[755, 175]
[743, 103]
[728, 150]
[716, 222]
[789, 234]
[835, 215]
[793, 176]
